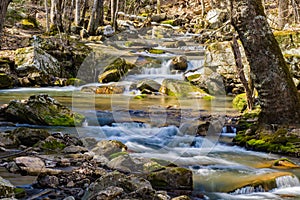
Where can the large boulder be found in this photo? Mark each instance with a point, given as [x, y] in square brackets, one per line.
[34, 64]
[177, 88]
[6, 188]
[171, 178]
[115, 71]
[219, 58]
[42, 110]
[69, 52]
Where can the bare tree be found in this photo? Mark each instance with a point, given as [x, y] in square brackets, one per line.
[56, 15]
[47, 17]
[83, 12]
[283, 10]
[280, 103]
[77, 12]
[114, 12]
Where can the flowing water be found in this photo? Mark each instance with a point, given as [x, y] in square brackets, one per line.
[161, 127]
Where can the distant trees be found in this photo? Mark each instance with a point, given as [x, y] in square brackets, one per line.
[3, 9]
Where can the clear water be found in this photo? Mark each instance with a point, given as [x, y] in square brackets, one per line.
[162, 127]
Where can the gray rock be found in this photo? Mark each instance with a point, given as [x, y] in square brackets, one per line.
[36, 65]
[108, 147]
[6, 188]
[75, 149]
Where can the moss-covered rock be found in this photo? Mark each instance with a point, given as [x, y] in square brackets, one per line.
[115, 71]
[283, 140]
[179, 88]
[42, 110]
[240, 102]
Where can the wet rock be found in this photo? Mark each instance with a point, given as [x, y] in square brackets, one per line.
[284, 163]
[171, 178]
[148, 85]
[36, 65]
[179, 88]
[75, 149]
[110, 89]
[108, 147]
[182, 197]
[115, 71]
[6, 188]
[179, 63]
[29, 137]
[42, 110]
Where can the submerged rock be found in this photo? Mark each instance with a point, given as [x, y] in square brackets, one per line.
[42, 110]
[179, 88]
[149, 85]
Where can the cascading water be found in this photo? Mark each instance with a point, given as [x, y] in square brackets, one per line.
[287, 181]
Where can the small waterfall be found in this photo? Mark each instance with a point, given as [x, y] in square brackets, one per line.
[248, 190]
[194, 64]
[163, 70]
[287, 181]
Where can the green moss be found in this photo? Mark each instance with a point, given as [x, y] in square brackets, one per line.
[129, 43]
[255, 142]
[156, 51]
[29, 23]
[75, 81]
[170, 22]
[240, 102]
[19, 192]
[208, 97]
[141, 96]
[53, 145]
[114, 155]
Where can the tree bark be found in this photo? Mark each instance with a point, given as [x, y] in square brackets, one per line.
[56, 15]
[47, 17]
[85, 6]
[3, 9]
[283, 10]
[91, 25]
[77, 12]
[280, 103]
[158, 6]
[202, 8]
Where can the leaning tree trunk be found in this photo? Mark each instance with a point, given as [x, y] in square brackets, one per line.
[283, 11]
[91, 25]
[3, 10]
[280, 103]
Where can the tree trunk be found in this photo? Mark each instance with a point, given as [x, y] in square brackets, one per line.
[202, 8]
[56, 15]
[283, 10]
[85, 6]
[77, 12]
[91, 25]
[280, 103]
[158, 5]
[47, 17]
[3, 10]
[113, 10]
